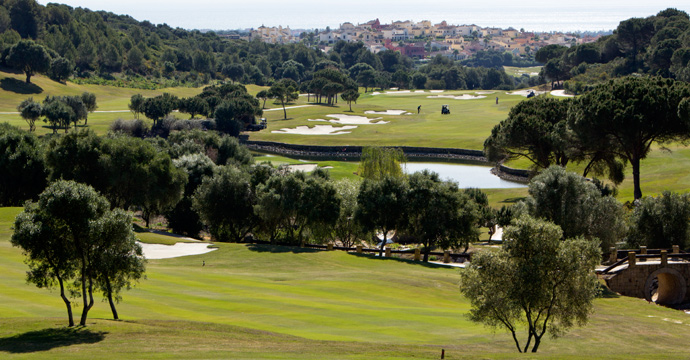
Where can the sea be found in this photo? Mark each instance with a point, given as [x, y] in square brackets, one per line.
[538, 15]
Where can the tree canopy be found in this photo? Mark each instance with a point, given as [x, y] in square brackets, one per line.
[537, 281]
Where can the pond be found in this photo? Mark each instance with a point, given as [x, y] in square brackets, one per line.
[467, 176]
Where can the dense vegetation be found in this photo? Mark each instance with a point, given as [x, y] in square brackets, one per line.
[656, 45]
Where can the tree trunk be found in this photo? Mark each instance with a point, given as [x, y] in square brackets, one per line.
[426, 253]
[67, 302]
[537, 341]
[383, 244]
[350, 106]
[110, 298]
[636, 177]
[284, 112]
[28, 78]
[88, 301]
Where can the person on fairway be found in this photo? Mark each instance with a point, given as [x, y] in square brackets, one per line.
[419, 108]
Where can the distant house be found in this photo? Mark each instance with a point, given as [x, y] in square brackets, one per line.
[414, 50]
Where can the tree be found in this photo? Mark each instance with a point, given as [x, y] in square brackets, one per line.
[284, 91]
[25, 17]
[296, 204]
[66, 209]
[137, 174]
[367, 78]
[536, 129]
[631, 114]
[29, 57]
[61, 69]
[58, 114]
[234, 71]
[159, 107]
[182, 219]
[136, 104]
[350, 96]
[346, 228]
[193, 106]
[438, 213]
[233, 115]
[660, 222]
[262, 95]
[30, 111]
[377, 163]
[536, 279]
[577, 206]
[89, 100]
[22, 166]
[118, 262]
[66, 235]
[135, 60]
[382, 205]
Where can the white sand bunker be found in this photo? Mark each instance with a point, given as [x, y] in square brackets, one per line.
[461, 97]
[316, 130]
[484, 92]
[158, 251]
[387, 112]
[436, 91]
[561, 93]
[352, 120]
[302, 167]
[526, 92]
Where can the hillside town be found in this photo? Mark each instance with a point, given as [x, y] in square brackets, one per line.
[424, 39]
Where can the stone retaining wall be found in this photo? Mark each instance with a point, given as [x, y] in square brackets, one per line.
[353, 153]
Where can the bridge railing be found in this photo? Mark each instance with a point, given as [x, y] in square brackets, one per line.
[643, 254]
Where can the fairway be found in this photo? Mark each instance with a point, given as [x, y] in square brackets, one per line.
[258, 301]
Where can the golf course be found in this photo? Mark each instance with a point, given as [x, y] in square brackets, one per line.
[272, 302]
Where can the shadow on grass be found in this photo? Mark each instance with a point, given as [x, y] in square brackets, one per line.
[19, 87]
[406, 261]
[278, 249]
[47, 339]
[513, 200]
[605, 293]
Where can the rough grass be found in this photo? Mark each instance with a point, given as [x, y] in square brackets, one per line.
[264, 302]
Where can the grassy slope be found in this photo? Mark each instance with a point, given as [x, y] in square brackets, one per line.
[282, 303]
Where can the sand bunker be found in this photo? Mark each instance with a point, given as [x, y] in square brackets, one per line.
[561, 93]
[352, 120]
[316, 130]
[526, 92]
[158, 251]
[387, 112]
[436, 91]
[461, 97]
[302, 167]
[484, 92]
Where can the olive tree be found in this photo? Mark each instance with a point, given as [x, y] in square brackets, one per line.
[536, 281]
[71, 235]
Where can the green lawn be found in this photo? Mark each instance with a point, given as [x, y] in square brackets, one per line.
[263, 302]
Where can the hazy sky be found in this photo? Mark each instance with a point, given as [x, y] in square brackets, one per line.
[233, 14]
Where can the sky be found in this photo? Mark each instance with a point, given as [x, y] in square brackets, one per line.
[537, 15]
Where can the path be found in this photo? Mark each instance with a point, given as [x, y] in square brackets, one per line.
[289, 107]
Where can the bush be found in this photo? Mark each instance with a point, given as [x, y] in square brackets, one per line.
[136, 127]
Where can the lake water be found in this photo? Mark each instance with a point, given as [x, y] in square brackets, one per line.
[467, 176]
